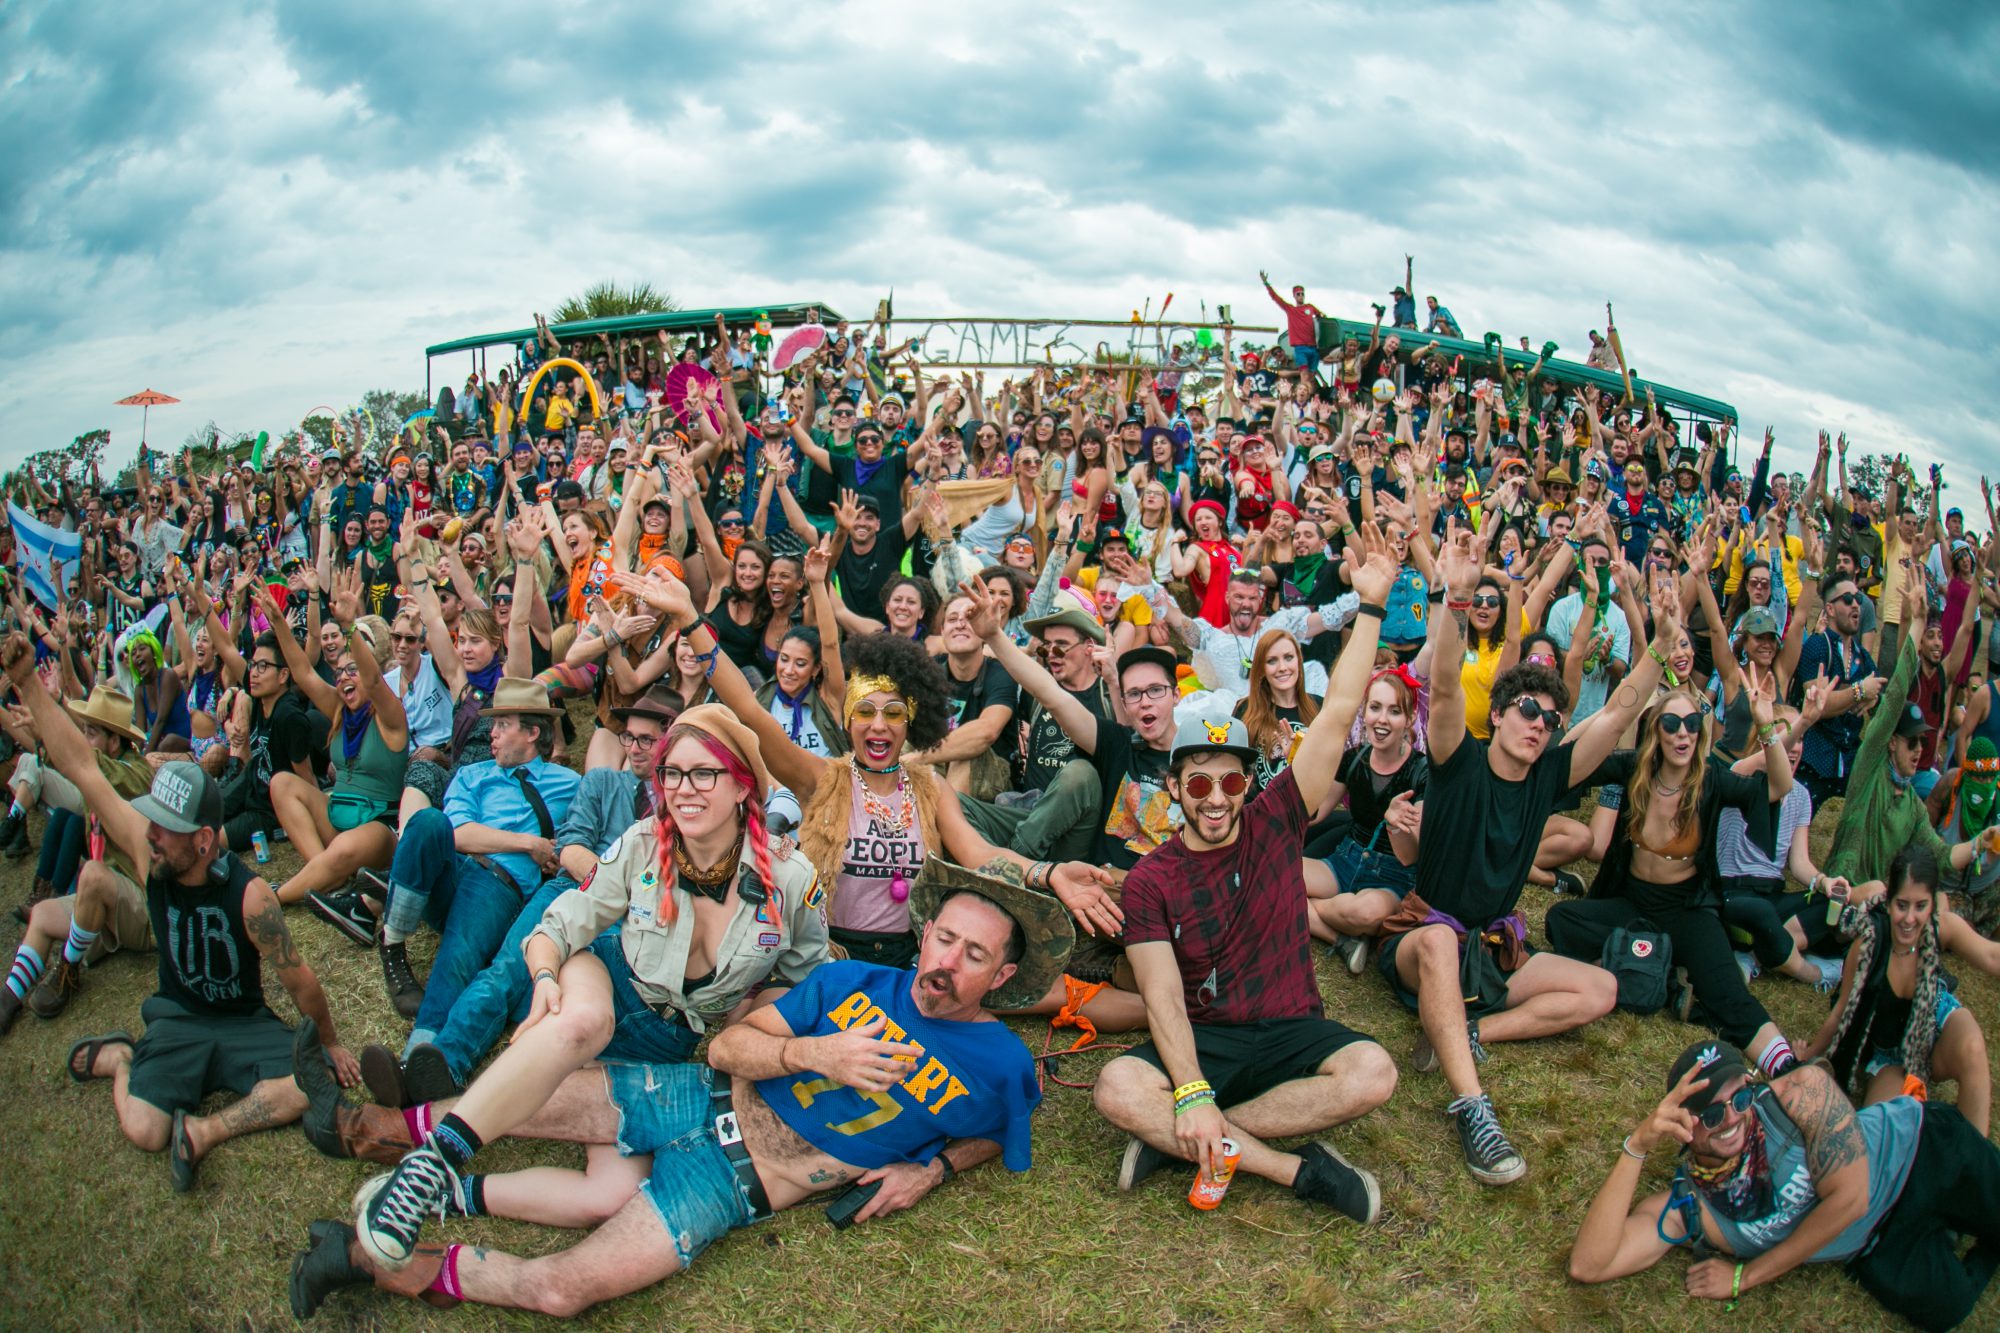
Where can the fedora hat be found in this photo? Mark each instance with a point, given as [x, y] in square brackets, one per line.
[110, 709]
[661, 703]
[1045, 924]
[512, 696]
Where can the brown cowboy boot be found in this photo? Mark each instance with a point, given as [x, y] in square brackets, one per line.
[414, 1278]
[334, 1125]
[57, 987]
[42, 892]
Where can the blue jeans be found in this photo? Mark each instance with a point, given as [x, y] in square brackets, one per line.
[638, 1032]
[666, 1110]
[62, 849]
[469, 905]
[499, 994]
[1306, 357]
[1356, 867]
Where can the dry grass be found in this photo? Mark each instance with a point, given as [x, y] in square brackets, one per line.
[92, 1237]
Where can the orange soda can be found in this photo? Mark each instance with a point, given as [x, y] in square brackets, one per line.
[1213, 1180]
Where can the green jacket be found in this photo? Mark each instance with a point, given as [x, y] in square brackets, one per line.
[1880, 818]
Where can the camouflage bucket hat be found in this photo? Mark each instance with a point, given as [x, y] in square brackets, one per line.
[1044, 922]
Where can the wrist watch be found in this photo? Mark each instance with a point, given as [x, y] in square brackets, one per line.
[949, 1169]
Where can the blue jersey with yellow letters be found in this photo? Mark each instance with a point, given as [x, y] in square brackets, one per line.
[969, 1081]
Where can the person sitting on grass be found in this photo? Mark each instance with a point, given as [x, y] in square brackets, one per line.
[1897, 1021]
[1216, 930]
[208, 1027]
[1495, 797]
[890, 1081]
[106, 913]
[1776, 1175]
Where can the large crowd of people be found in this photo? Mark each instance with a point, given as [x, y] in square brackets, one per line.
[750, 757]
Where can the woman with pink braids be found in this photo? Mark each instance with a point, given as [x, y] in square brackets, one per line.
[714, 924]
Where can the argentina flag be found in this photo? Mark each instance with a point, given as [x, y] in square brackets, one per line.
[36, 547]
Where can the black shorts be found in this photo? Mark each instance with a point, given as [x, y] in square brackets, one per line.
[1243, 1061]
[897, 949]
[238, 829]
[1385, 958]
[183, 1057]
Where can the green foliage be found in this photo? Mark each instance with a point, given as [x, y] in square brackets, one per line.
[605, 300]
[75, 460]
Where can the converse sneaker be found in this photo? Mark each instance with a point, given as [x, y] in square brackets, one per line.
[1352, 951]
[1424, 1059]
[389, 1211]
[1491, 1159]
[1327, 1177]
[1141, 1160]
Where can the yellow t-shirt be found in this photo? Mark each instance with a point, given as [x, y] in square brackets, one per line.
[1788, 564]
[559, 413]
[1476, 676]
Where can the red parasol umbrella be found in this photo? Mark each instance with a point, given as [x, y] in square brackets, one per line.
[145, 400]
[796, 344]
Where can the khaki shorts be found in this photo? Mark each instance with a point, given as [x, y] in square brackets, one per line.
[126, 926]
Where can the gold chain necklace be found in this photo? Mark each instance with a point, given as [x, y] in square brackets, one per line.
[895, 821]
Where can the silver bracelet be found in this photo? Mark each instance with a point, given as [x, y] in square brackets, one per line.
[1626, 1147]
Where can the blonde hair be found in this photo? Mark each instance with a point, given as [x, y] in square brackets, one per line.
[375, 633]
[1639, 792]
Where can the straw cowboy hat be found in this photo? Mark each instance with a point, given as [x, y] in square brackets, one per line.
[1045, 923]
[512, 697]
[110, 709]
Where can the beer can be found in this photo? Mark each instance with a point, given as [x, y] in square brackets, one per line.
[261, 846]
[1213, 1181]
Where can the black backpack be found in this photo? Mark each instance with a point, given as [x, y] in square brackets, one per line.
[1641, 956]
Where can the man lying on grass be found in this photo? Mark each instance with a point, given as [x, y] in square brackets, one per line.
[208, 1027]
[889, 1081]
[1215, 926]
[1776, 1175]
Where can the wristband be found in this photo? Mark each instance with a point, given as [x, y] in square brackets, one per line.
[1767, 735]
[1735, 1285]
[1626, 1146]
[1371, 609]
[1465, 605]
[1181, 1108]
[1187, 1090]
[548, 972]
[949, 1169]
[1653, 651]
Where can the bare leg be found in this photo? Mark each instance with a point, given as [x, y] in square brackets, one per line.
[1551, 994]
[529, 1071]
[1361, 913]
[1960, 1055]
[1956, 934]
[1887, 1083]
[301, 810]
[145, 1124]
[274, 1102]
[1427, 963]
[48, 925]
[555, 1197]
[1351, 1082]
[1111, 1009]
[1563, 840]
[371, 846]
[604, 751]
[629, 1253]
[1760, 1041]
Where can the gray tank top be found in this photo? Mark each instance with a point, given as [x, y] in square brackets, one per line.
[1889, 1129]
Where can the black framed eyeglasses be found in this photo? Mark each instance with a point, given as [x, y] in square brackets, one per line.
[1148, 693]
[701, 779]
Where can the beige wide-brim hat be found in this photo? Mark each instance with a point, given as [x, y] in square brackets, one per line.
[1045, 923]
[110, 709]
[513, 696]
[718, 721]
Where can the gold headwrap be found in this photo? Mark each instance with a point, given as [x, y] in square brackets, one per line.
[860, 687]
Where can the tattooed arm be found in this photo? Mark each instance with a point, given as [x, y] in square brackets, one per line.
[1838, 1160]
[265, 919]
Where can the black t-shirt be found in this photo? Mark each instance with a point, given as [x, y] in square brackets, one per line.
[991, 687]
[1138, 814]
[1369, 793]
[1475, 871]
[861, 576]
[885, 482]
[1046, 746]
[278, 742]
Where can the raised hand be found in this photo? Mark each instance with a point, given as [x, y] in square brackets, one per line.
[818, 560]
[1375, 574]
[985, 618]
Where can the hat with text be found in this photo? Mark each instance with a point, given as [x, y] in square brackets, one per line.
[184, 798]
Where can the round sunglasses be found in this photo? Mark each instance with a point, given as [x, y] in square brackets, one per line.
[1199, 785]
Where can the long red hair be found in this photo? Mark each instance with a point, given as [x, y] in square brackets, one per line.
[756, 834]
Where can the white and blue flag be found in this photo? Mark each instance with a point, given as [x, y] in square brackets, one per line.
[37, 547]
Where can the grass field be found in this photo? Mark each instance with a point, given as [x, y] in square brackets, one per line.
[92, 1237]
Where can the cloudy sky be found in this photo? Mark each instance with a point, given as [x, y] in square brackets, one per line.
[263, 208]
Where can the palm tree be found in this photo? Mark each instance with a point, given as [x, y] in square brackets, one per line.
[605, 300]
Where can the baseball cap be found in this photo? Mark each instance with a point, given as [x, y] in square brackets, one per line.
[1911, 725]
[1220, 735]
[184, 798]
[1719, 1063]
[1758, 620]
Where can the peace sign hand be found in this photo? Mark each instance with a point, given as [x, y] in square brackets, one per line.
[1671, 1119]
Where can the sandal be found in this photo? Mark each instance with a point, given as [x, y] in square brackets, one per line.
[90, 1048]
[180, 1154]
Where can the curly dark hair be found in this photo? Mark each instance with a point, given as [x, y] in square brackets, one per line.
[918, 677]
[1529, 678]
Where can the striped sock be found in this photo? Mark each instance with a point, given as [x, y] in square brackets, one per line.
[455, 1141]
[26, 971]
[447, 1279]
[475, 1195]
[77, 947]
[1777, 1058]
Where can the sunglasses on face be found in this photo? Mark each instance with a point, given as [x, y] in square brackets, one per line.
[1054, 649]
[1714, 1113]
[503, 601]
[895, 713]
[868, 439]
[406, 638]
[729, 522]
[1486, 599]
[1531, 710]
[843, 411]
[1847, 598]
[1542, 659]
[1672, 724]
[701, 779]
[1199, 785]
